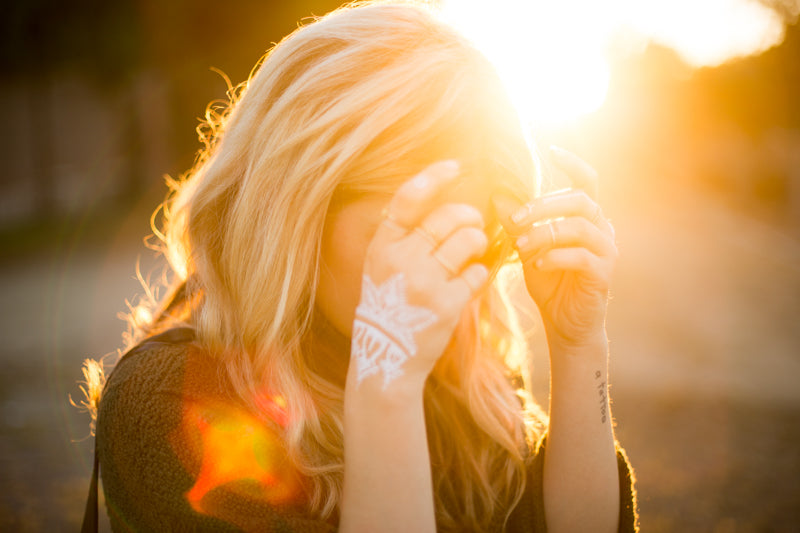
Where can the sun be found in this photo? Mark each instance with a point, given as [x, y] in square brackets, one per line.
[554, 67]
[553, 56]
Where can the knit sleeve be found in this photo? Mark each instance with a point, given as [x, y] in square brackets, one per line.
[177, 454]
[529, 514]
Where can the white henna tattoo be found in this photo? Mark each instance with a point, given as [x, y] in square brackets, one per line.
[383, 331]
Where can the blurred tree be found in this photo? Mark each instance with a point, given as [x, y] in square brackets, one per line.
[788, 9]
[96, 39]
[185, 38]
[111, 43]
[757, 92]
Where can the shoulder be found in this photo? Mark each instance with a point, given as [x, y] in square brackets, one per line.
[151, 386]
[167, 364]
[178, 451]
[141, 407]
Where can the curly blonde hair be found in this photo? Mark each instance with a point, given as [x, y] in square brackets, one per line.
[354, 103]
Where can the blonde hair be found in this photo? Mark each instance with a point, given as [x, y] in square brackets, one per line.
[353, 103]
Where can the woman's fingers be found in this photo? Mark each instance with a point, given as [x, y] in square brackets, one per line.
[419, 265]
[582, 174]
[566, 203]
[415, 198]
[443, 221]
[464, 245]
[453, 235]
[566, 232]
[463, 287]
[573, 259]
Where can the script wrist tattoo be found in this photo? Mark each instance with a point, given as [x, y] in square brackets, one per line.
[602, 391]
[384, 328]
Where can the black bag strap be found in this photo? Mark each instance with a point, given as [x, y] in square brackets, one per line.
[90, 515]
[90, 512]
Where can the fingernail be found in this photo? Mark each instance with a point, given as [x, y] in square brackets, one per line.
[519, 216]
[421, 181]
[523, 242]
[450, 168]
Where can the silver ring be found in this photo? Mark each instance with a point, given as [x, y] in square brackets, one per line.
[468, 284]
[446, 264]
[552, 233]
[389, 219]
[428, 235]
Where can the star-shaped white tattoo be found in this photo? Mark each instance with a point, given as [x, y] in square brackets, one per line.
[384, 328]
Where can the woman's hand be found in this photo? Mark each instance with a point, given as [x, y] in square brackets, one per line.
[568, 253]
[419, 274]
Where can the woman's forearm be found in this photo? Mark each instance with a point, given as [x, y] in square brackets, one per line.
[581, 482]
[387, 476]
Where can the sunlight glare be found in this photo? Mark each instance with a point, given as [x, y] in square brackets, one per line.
[552, 64]
[710, 32]
[553, 56]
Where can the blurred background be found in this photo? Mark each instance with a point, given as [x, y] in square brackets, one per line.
[690, 110]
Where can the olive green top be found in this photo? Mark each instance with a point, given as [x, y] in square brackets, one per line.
[178, 452]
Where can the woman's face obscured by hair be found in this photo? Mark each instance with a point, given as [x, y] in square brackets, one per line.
[346, 237]
[348, 108]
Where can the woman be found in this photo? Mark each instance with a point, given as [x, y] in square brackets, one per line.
[339, 349]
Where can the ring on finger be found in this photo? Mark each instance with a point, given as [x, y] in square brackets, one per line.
[446, 264]
[468, 284]
[427, 234]
[395, 224]
[388, 218]
[551, 227]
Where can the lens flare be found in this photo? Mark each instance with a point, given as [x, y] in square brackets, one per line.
[240, 453]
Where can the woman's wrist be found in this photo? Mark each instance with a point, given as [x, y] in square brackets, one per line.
[592, 345]
[579, 365]
[387, 479]
[372, 394]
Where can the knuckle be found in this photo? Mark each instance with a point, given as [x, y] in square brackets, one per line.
[480, 272]
[583, 227]
[471, 215]
[566, 230]
[587, 204]
[477, 275]
[476, 239]
[586, 258]
[462, 214]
